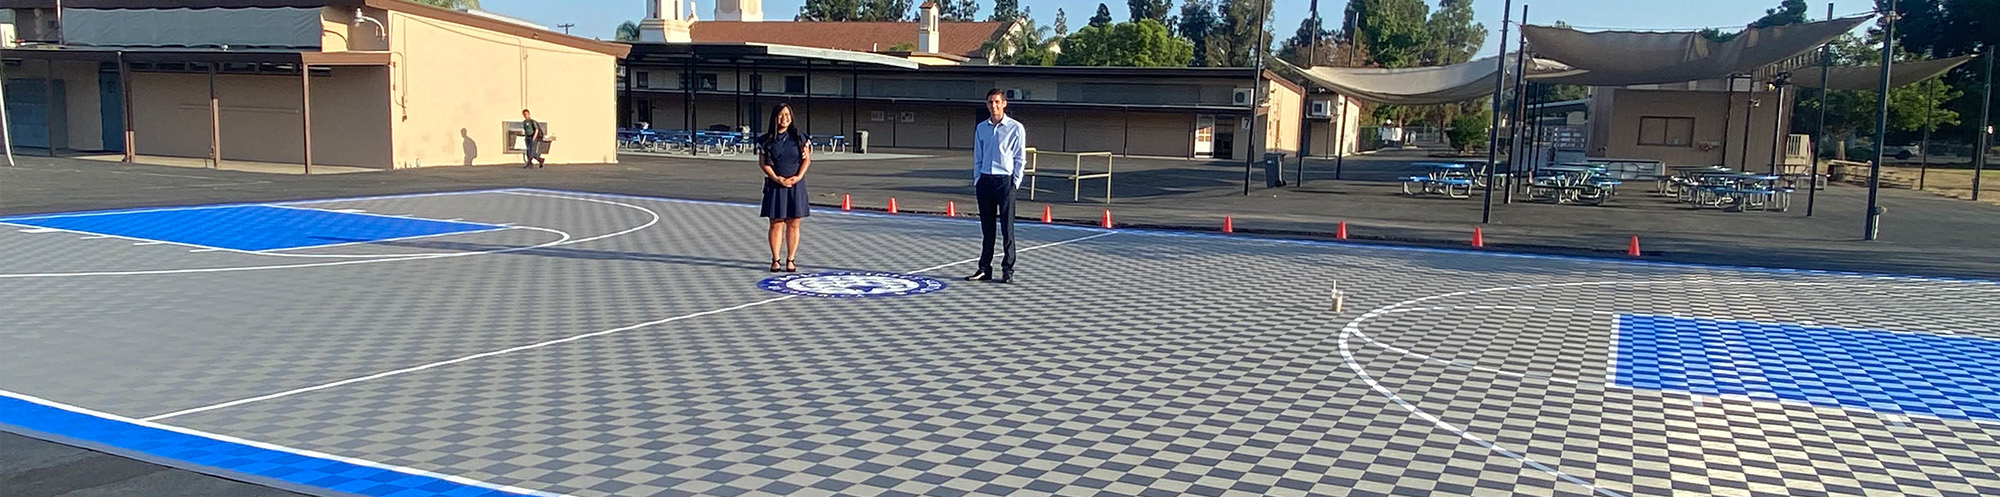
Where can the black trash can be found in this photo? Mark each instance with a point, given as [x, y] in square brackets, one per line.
[861, 142]
[1274, 170]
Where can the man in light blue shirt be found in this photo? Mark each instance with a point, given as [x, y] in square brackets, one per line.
[999, 159]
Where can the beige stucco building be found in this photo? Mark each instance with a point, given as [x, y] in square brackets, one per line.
[846, 77]
[1694, 123]
[368, 83]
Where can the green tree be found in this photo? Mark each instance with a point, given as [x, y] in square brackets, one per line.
[1005, 11]
[903, 46]
[885, 10]
[1787, 13]
[1061, 24]
[1146, 43]
[629, 31]
[450, 4]
[830, 10]
[1945, 28]
[1454, 37]
[958, 11]
[1197, 21]
[1102, 18]
[1158, 10]
[1852, 114]
[1395, 32]
[1234, 39]
[1469, 129]
[1311, 39]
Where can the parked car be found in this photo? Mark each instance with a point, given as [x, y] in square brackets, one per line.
[1902, 152]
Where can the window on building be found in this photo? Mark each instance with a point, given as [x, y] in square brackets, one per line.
[702, 81]
[1666, 131]
[644, 81]
[795, 84]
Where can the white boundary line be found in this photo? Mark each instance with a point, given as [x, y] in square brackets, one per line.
[269, 252]
[1353, 329]
[538, 345]
[31, 217]
[274, 447]
[279, 252]
[360, 212]
[566, 239]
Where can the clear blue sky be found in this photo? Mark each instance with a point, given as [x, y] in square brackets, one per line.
[597, 18]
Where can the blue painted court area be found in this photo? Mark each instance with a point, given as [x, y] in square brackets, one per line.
[253, 461]
[249, 227]
[1945, 376]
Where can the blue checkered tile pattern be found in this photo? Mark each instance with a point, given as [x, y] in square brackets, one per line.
[1910, 373]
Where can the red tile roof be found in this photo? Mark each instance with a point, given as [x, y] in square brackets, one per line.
[956, 38]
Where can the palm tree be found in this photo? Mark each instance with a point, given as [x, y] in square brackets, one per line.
[629, 31]
[1025, 45]
[450, 4]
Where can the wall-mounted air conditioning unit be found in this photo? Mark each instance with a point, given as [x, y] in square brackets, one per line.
[1243, 96]
[1016, 94]
[1321, 108]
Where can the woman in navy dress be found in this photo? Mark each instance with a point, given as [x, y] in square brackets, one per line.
[786, 156]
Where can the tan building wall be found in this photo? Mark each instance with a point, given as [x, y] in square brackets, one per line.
[1324, 140]
[1718, 126]
[338, 32]
[261, 119]
[79, 80]
[929, 127]
[454, 87]
[937, 127]
[1161, 135]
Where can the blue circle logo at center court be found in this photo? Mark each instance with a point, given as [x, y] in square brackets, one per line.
[851, 284]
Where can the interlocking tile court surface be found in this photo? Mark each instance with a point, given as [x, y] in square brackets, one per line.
[602, 345]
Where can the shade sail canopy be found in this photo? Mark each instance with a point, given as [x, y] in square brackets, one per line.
[1419, 85]
[1870, 77]
[1622, 58]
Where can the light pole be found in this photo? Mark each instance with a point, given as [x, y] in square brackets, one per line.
[1985, 131]
[1819, 137]
[1493, 133]
[1871, 229]
[1256, 93]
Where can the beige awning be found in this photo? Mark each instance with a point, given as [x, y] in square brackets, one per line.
[1419, 85]
[1870, 77]
[1622, 58]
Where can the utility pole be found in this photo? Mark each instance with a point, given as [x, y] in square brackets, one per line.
[565, 27]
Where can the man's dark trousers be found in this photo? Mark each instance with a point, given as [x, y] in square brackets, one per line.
[996, 210]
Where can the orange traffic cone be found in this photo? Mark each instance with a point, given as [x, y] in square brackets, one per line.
[892, 205]
[1342, 233]
[846, 202]
[1228, 225]
[1633, 250]
[1045, 215]
[1107, 218]
[1478, 237]
[950, 209]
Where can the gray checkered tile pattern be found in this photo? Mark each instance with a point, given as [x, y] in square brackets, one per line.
[1134, 364]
